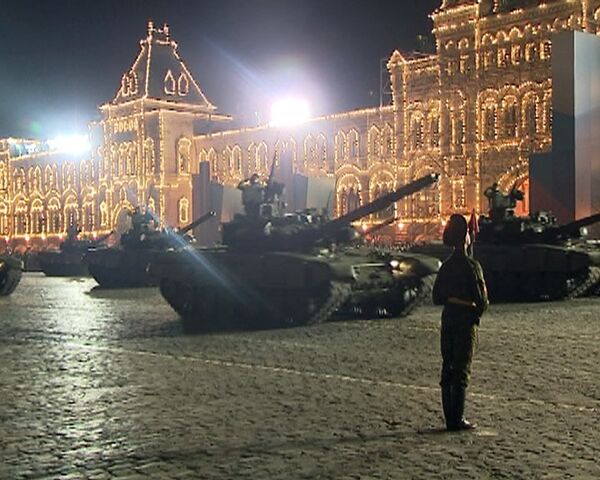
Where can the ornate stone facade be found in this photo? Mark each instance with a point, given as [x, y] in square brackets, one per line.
[474, 111]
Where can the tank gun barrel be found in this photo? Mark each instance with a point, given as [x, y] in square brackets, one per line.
[380, 226]
[380, 203]
[198, 221]
[101, 238]
[573, 228]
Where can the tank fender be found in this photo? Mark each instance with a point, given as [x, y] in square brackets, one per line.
[415, 264]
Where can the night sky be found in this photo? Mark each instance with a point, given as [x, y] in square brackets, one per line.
[60, 59]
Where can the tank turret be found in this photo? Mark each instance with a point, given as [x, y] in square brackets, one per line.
[304, 230]
[126, 265]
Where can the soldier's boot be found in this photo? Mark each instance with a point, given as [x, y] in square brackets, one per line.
[447, 404]
[458, 410]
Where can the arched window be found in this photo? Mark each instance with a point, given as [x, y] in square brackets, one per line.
[71, 212]
[184, 146]
[21, 220]
[531, 52]
[309, 151]
[49, 178]
[169, 83]
[103, 215]
[530, 115]
[149, 156]
[434, 130]
[132, 83]
[354, 145]
[321, 150]
[183, 85]
[4, 219]
[88, 215]
[183, 208]
[458, 130]
[510, 119]
[3, 176]
[374, 143]
[341, 147]
[261, 158]
[388, 141]
[54, 220]
[237, 159]
[131, 159]
[416, 132]
[489, 122]
[37, 220]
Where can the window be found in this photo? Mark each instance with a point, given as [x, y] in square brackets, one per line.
[184, 210]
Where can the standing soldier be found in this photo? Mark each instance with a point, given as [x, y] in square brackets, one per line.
[253, 194]
[460, 288]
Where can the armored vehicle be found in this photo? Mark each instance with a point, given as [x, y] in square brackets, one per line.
[11, 269]
[126, 265]
[279, 270]
[69, 260]
[533, 257]
[530, 258]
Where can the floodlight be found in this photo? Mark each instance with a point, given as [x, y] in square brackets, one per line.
[71, 144]
[289, 111]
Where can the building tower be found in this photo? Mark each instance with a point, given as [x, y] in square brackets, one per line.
[143, 148]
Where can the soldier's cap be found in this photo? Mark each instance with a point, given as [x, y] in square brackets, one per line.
[456, 231]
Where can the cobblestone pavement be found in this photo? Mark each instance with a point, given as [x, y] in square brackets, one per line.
[98, 384]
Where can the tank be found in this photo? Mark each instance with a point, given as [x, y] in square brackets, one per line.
[126, 265]
[11, 270]
[529, 258]
[280, 270]
[69, 260]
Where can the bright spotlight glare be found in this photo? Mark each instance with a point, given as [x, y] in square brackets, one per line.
[73, 144]
[289, 111]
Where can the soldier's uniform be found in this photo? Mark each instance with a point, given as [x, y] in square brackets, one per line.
[460, 288]
[253, 193]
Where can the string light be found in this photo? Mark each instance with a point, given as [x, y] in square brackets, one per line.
[474, 111]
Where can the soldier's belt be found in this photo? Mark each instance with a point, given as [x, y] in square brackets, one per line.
[460, 301]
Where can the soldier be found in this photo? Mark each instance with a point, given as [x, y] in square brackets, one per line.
[460, 288]
[253, 194]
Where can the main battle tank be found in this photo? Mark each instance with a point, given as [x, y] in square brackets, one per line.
[280, 270]
[534, 257]
[69, 260]
[126, 265]
[11, 269]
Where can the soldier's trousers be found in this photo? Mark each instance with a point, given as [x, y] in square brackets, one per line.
[457, 344]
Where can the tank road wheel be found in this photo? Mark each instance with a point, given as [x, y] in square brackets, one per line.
[556, 285]
[308, 307]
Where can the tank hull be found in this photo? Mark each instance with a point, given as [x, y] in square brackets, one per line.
[63, 264]
[121, 268]
[531, 271]
[537, 272]
[11, 270]
[213, 289]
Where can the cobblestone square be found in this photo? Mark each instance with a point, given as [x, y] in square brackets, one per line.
[105, 384]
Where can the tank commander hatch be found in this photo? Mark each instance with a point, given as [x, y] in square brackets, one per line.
[253, 194]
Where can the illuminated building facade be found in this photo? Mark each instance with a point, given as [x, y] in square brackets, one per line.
[474, 111]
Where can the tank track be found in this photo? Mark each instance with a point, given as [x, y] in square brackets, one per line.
[338, 295]
[590, 286]
[10, 281]
[423, 292]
